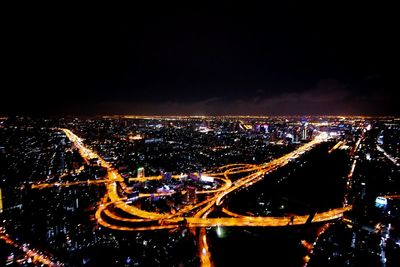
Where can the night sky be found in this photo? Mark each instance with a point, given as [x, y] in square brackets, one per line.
[292, 58]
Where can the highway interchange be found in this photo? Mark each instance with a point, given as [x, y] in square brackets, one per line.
[139, 219]
[116, 212]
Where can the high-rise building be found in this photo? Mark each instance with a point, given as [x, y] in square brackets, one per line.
[296, 138]
[192, 195]
[304, 135]
[140, 172]
[189, 195]
[272, 137]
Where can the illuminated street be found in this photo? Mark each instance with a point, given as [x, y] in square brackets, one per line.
[32, 255]
[170, 220]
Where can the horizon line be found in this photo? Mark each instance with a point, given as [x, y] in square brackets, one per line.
[136, 116]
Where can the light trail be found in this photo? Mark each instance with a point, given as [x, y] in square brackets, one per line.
[36, 256]
[205, 255]
[254, 173]
[310, 247]
[388, 156]
[204, 252]
[67, 184]
[338, 145]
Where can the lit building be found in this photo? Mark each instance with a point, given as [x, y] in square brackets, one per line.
[206, 179]
[264, 128]
[167, 176]
[140, 172]
[189, 195]
[296, 138]
[194, 176]
[304, 135]
[192, 195]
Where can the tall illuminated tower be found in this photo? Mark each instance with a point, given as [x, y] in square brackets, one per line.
[140, 172]
[304, 132]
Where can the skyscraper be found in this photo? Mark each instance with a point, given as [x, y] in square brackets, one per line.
[304, 135]
[189, 195]
[192, 197]
[140, 172]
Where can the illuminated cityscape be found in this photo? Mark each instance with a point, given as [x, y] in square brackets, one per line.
[262, 133]
[180, 188]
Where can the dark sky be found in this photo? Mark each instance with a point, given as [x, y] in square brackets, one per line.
[303, 57]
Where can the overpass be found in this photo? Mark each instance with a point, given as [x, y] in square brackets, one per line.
[195, 215]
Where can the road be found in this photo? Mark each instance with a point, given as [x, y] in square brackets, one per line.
[196, 216]
[37, 257]
[390, 157]
[148, 220]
